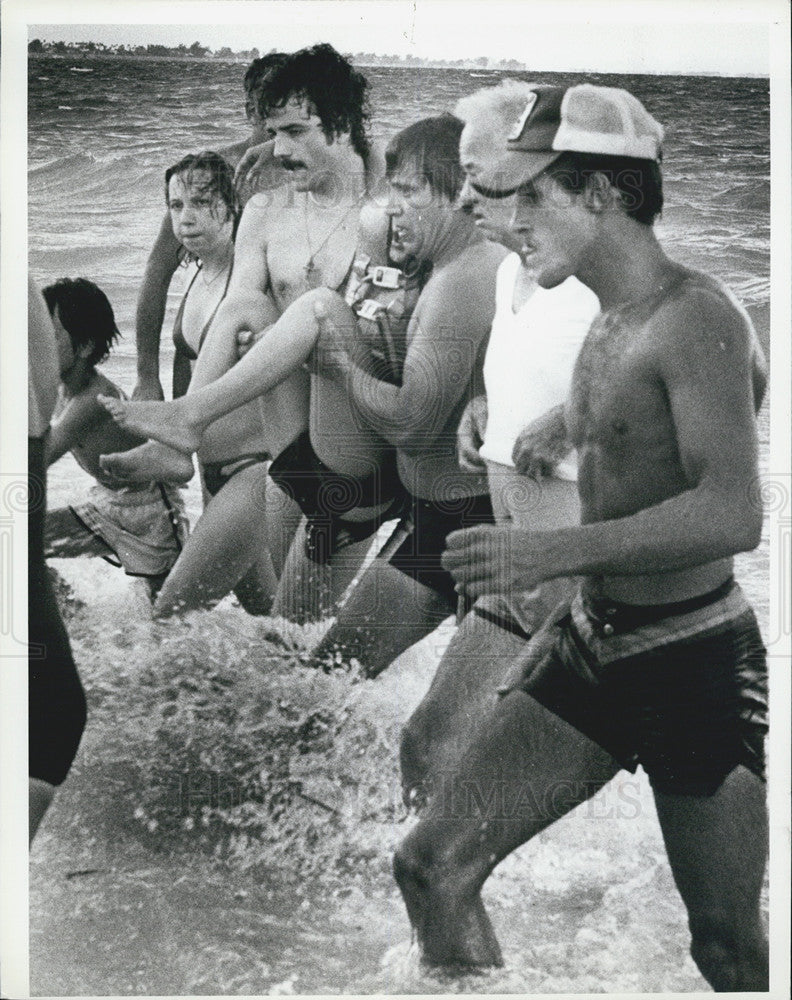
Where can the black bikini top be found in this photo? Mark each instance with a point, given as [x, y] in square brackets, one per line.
[181, 345]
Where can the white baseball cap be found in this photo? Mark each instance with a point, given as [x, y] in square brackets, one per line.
[582, 119]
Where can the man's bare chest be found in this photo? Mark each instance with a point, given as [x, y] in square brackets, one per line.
[617, 396]
[313, 252]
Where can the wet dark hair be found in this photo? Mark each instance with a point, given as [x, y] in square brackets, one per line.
[86, 315]
[255, 76]
[639, 182]
[327, 81]
[221, 183]
[432, 147]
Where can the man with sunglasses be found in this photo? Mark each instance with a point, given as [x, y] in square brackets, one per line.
[658, 659]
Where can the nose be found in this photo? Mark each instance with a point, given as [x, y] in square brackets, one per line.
[466, 198]
[394, 205]
[283, 146]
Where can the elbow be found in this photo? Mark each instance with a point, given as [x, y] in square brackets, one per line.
[742, 531]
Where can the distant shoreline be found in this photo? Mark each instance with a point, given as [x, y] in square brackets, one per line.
[78, 56]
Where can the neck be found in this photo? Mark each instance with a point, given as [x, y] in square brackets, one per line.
[343, 185]
[76, 378]
[215, 263]
[456, 235]
[626, 265]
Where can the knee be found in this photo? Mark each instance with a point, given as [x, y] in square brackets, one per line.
[731, 956]
[412, 868]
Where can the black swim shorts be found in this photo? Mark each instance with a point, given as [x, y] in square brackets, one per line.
[680, 689]
[324, 495]
[217, 474]
[426, 524]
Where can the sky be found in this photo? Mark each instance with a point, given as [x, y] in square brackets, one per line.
[644, 36]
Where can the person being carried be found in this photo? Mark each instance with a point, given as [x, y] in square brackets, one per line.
[444, 346]
[535, 338]
[658, 659]
[140, 527]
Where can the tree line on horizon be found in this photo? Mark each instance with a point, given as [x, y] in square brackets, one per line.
[198, 51]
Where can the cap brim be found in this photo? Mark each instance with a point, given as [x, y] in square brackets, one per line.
[524, 167]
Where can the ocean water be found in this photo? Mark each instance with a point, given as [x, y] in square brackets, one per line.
[566, 906]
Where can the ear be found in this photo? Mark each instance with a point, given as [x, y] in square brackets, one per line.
[599, 195]
[84, 351]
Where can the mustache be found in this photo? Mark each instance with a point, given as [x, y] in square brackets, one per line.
[288, 164]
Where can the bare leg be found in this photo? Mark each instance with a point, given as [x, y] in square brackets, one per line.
[148, 461]
[310, 592]
[386, 613]
[525, 769]
[228, 540]
[281, 351]
[66, 538]
[463, 691]
[717, 848]
[283, 520]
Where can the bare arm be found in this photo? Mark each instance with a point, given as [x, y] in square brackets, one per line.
[705, 365]
[81, 415]
[470, 435]
[542, 444]
[150, 313]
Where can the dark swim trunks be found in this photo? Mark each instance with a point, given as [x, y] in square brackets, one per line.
[426, 525]
[325, 495]
[680, 688]
[217, 474]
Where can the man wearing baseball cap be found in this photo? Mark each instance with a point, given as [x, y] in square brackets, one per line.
[657, 660]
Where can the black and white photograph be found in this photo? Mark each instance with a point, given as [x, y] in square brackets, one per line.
[407, 506]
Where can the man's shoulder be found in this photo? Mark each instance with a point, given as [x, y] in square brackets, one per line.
[701, 316]
[476, 267]
[699, 301]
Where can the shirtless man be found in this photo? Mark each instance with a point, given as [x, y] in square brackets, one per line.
[166, 253]
[658, 660]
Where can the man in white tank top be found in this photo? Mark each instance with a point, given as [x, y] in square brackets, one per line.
[535, 339]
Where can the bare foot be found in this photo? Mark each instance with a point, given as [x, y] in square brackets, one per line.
[165, 422]
[147, 462]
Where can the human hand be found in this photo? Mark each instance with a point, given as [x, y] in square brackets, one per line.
[330, 357]
[489, 559]
[148, 387]
[255, 161]
[542, 445]
[470, 435]
[247, 339]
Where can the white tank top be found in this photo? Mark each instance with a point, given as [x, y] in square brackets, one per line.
[530, 357]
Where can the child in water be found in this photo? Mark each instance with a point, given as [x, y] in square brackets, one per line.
[140, 527]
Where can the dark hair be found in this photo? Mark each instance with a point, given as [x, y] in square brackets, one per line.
[86, 315]
[255, 76]
[432, 147]
[221, 183]
[639, 182]
[335, 91]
